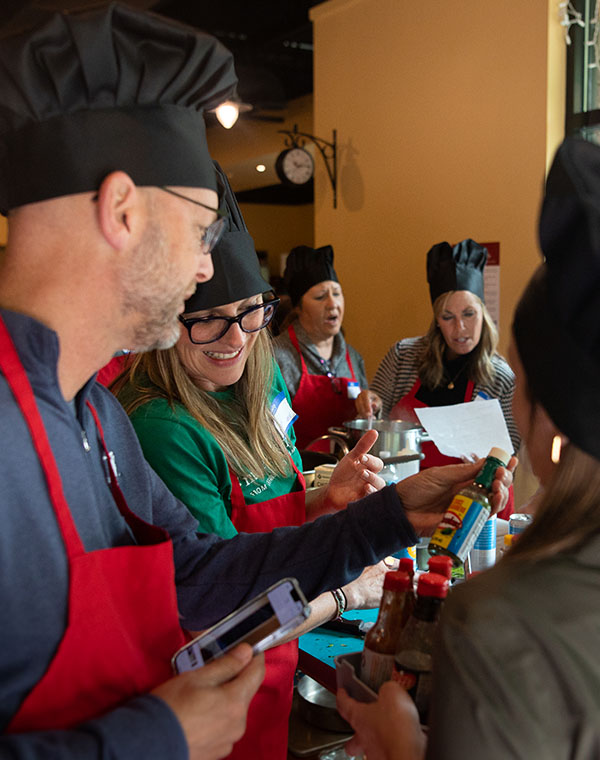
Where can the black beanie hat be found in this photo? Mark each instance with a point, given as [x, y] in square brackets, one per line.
[86, 93]
[557, 321]
[237, 269]
[305, 267]
[458, 268]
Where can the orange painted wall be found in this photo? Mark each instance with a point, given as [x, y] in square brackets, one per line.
[442, 112]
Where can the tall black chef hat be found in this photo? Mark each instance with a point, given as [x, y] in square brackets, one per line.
[83, 94]
[306, 267]
[237, 270]
[458, 268]
[557, 321]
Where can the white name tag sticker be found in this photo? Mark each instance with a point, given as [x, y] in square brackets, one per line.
[283, 413]
[353, 389]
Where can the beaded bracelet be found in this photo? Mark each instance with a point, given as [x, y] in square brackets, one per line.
[341, 602]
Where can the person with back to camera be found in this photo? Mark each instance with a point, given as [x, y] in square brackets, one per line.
[516, 667]
[214, 420]
[324, 375]
[456, 361]
[112, 213]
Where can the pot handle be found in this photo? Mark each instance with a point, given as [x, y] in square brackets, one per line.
[401, 458]
[341, 433]
[334, 439]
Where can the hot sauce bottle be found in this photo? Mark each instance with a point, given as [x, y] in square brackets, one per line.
[377, 661]
[406, 564]
[468, 512]
[441, 565]
[413, 660]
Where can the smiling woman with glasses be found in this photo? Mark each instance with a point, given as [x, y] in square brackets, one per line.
[214, 420]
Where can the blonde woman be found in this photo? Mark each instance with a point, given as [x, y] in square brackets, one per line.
[456, 361]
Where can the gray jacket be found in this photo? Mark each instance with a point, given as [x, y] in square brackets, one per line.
[517, 667]
[291, 366]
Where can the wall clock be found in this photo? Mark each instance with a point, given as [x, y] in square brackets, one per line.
[295, 166]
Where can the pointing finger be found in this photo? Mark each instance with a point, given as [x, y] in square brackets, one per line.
[364, 444]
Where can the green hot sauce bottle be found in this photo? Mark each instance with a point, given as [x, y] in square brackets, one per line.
[466, 515]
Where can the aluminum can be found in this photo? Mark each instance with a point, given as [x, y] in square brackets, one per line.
[518, 522]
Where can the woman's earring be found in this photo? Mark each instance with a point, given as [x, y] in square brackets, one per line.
[556, 449]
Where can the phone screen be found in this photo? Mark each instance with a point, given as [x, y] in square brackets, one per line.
[259, 623]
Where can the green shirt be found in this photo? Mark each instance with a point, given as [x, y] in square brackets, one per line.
[193, 466]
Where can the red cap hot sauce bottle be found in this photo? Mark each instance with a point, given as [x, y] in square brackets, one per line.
[413, 660]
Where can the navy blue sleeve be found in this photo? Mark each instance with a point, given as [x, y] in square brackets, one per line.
[215, 576]
[144, 727]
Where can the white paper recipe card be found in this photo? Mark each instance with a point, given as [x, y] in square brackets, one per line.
[467, 430]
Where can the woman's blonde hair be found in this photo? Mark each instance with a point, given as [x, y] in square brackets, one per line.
[244, 427]
[481, 369]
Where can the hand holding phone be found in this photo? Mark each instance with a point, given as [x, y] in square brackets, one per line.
[261, 622]
[211, 704]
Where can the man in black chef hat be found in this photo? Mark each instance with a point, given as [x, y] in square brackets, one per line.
[112, 207]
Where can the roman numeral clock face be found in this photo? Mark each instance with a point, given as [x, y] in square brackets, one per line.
[295, 166]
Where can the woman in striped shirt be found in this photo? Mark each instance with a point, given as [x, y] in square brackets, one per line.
[456, 361]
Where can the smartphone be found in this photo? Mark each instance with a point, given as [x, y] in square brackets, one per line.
[261, 622]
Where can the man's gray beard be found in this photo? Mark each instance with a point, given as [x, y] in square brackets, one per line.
[168, 341]
[143, 287]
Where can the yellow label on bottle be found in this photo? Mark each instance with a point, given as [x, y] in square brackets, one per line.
[460, 525]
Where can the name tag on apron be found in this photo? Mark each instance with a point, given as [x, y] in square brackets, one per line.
[353, 389]
[283, 413]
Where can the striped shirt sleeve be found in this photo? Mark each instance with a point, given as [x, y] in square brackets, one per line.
[397, 372]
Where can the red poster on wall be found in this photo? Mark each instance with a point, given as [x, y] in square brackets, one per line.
[491, 281]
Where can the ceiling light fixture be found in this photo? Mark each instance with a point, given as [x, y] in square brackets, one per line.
[227, 112]
[261, 168]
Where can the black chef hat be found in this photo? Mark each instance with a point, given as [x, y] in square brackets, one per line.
[557, 321]
[237, 270]
[306, 267]
[87, 93]
[458, 268]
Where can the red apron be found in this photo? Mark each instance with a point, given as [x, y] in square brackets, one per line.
[320, 402]
[112, 370]
[404, 409]
[123, 625]
[266, 734]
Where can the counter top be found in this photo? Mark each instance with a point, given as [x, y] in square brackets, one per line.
[319, 647]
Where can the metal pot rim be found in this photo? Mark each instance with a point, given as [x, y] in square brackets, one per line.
[387, 426]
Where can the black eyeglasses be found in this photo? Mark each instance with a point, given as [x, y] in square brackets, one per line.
[212, 234]
[209, 329]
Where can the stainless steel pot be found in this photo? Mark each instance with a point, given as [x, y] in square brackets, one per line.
[394, 436]
[317, 706]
